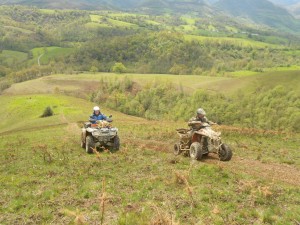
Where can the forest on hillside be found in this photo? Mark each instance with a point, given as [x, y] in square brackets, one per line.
[142, 43]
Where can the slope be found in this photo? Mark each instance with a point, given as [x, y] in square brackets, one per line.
[144, 182]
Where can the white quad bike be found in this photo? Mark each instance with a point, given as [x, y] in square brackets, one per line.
[101, 135]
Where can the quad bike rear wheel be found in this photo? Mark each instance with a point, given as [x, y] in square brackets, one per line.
[89, 144]
[196, 151]
[225, 153]
[177, 149]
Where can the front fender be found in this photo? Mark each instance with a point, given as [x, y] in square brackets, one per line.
[83, 134]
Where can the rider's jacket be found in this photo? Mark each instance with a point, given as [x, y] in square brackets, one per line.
[98, 117]
[203, 120]
[197, 126]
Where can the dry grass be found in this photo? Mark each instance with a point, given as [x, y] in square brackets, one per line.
[162, 218]
[182, 179]
[102, 199]
[78, 217]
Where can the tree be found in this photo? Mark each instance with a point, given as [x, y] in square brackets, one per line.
[179, 69]
[47, 112]
[119, 68]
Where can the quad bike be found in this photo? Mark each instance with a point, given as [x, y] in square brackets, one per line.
[200, 141]
[100, 135]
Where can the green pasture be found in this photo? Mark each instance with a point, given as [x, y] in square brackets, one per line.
[49, 53]
[110, 22]
[236, 81]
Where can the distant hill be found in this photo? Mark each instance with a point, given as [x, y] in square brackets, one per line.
[293, 6]
[153, 6]
[261, 12]
[295, 10]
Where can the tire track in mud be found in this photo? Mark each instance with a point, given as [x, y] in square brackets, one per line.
[268, 171]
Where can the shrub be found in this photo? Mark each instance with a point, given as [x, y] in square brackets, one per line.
[47, 112]
[119, 68]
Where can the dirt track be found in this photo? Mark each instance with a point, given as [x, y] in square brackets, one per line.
[268, 171]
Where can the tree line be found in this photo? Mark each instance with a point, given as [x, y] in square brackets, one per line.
[274, 108]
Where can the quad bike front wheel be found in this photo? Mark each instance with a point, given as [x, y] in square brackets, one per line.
[196, 151]
[89, 144]
[116, 144]
[177, 149]
[225, 153]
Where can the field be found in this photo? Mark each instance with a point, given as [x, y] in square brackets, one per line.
[49, 53]
[87, 82]
[47, 178]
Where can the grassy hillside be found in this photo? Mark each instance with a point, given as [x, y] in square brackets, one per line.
[144, 182]
[87, 82]
[49, 53]
[266, 101]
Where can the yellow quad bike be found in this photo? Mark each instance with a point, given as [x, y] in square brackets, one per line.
[200, 141]
[100, 135]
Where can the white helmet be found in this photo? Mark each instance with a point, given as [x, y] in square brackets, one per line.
[96, 108]
[201, 111]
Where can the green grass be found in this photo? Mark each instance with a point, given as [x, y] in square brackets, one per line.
[96, 18]
[47, 11]
[108, 22]
[45, 173]
[152, 22]
[243, 73]
[284, 68]
[188, 20]
[31, 107]
[93, 25]
[13, 57]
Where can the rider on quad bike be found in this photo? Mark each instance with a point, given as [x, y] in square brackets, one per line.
[99, 133]
[201, 139]
[201, 116]
[97, 115]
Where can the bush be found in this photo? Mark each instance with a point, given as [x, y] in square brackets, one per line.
[47, 112]
[119, 68]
